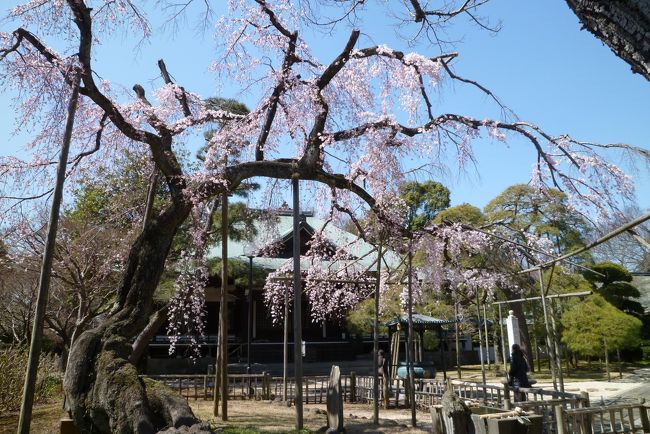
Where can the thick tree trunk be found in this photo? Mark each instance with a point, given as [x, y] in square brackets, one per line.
[142, 341]
[102, 388]
[624, 25]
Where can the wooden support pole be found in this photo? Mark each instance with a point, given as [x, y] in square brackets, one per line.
[480, 337]
[503, 342]
[297, 305]
[457, 332]
[223, 324]
[27, 403]
[645, 421]
[375, 344]
[559, 419]
[549, 342]
[411, 370]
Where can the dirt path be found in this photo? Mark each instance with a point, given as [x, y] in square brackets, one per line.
[274, 416]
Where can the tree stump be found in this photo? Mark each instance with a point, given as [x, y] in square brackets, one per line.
[456, 416]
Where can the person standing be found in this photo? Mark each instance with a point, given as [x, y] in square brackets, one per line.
[518, 373]
[382, 368]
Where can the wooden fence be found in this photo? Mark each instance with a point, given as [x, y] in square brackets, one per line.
[562, 413]
[623, 418]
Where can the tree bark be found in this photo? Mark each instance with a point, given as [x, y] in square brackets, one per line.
[101, 386]
[624, 25]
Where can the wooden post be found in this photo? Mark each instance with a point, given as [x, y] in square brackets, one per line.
[375, 344]
[549, 342]
[487, 341]
[265, 394]
[645, 422]
[559, 418]
[297, 304]
[480, 339]
[503, 342]
[436, 423]
[409, 351]
[586, 418]
[46, 267]
[507, 401]
[223, 311]
[353, 386]
[609, 374]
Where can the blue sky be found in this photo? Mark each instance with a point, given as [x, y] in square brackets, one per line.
[540, 64]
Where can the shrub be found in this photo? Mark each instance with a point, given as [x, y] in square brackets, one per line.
[13, 362]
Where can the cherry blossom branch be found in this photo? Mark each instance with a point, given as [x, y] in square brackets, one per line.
[444, 15]
[289, 60]
[182, 98]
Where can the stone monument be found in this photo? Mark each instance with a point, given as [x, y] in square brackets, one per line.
[512, 324]
[335, 403]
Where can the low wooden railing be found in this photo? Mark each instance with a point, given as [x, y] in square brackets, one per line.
[562, 413]
[622, 418]
[240, 386]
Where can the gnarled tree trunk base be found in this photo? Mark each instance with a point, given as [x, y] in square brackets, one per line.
[107, 396]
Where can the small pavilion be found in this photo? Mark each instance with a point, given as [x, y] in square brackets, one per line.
[421, 323]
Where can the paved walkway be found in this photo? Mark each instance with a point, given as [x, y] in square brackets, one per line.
[628, 388]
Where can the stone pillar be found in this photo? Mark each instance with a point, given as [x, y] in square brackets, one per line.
[335, 403]
[512, 324]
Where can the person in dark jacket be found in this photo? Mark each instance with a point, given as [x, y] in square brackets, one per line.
[518, 373]
[382, 364]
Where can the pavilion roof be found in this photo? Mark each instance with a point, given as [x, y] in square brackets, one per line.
[420, 322]
[360, 253]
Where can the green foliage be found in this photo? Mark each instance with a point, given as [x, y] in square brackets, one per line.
[226, 104]
[238, 271]
[360, 320]
[463, 213]
[593, 325]
[241, 223]
[612, 273]
[613, 284]
[424, 201]
[526, 209]
[12, 366]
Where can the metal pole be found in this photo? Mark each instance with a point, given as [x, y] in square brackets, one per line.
[411, 358]
[375, 343]
[46, 268]
[297, 304]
